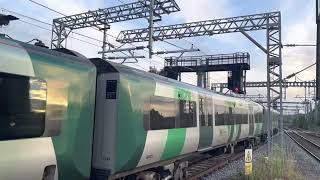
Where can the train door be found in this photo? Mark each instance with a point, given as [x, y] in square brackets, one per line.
[205, 118]
[251, 121]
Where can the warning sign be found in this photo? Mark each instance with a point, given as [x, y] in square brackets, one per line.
[248, 169]
[248, 155]
[248, 161]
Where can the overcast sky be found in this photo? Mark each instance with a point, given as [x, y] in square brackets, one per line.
[298, 26]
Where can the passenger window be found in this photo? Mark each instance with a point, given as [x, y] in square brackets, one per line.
[187, 114]
[205, 111]
[169, 113]
[202, 113]
[258, 116]
[229, 116]
[209, 110]
[225, 115]
[22, 106]
[162, 113]
[240, 115]
[220, 115]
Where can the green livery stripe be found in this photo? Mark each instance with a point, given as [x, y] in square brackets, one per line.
[174, 144]
[131, 134]
[173, 92]
[258, 128]
[239, 131]
[230, 104]
[231, 131]
[73, 146]
[182, 94]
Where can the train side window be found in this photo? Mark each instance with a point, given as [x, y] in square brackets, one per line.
[209, 111]
[241, 116]
[162, 113]
[22, 106]
[258, 117]
[188, 113]
[229, 116]
[245, 116]
[111, 89]
[220, 115]
[146, 115]
[202, 113]
[250, 115]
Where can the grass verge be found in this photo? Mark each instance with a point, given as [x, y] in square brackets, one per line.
[274, 167]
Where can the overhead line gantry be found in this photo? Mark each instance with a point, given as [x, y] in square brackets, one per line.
[102, 18]
[202, 28]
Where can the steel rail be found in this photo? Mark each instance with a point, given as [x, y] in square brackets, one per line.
[214, 164]
[289, 133]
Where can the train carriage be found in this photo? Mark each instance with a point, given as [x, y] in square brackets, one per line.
[146, 119]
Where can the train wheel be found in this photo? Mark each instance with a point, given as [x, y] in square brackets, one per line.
[180, 172]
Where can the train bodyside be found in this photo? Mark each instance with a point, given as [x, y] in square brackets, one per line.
[47, 110]
[155, 119]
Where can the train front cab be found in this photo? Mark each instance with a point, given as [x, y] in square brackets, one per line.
[26, 148]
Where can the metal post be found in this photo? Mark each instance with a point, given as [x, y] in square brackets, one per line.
[310, 111]
[318, 63]
[200, 79]
[151, 28]
[316, 111]
[59, 38]
[317, 89]
[305, 105]
[281, 85]
[205, 80]
[268, 94]
[315, 104]
[104, 43]
[52, 37]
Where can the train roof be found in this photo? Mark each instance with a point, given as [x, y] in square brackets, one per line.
[156, 77]
[136, 72]
[64, 54]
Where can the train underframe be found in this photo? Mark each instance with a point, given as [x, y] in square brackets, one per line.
[176, 168]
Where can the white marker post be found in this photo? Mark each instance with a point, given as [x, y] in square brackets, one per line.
[248, 162]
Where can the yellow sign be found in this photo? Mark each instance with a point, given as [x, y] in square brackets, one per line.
[248, 155]
[248, 162]
[248, 169]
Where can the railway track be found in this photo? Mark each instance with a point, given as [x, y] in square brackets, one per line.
[309, 142]
[208, 166]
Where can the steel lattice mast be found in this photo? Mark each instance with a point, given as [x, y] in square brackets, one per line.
[271, 22]
[102, 18]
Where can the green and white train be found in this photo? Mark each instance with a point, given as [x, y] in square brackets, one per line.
[66, 117]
